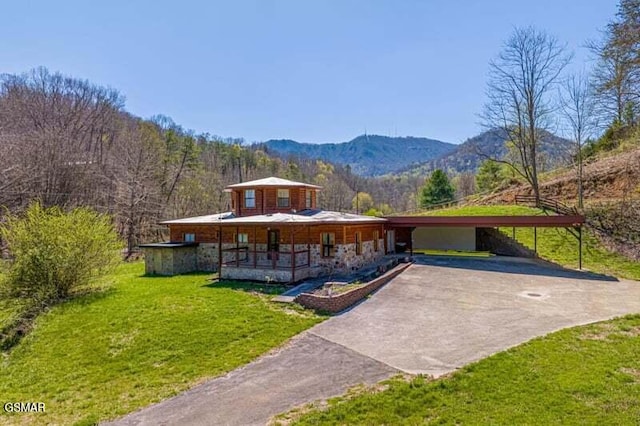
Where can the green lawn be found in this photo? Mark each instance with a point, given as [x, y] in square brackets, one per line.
[559, 246]
[555, 244]
[142, 340]
[584, 375]
[496, 210]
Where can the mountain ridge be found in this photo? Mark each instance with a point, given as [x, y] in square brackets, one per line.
[367, 155]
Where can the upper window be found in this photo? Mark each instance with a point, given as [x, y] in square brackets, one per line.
[283, 198]
[189, 238]
[308, 199]
[250, 198]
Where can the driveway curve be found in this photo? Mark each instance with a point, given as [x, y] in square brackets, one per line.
[438, 315]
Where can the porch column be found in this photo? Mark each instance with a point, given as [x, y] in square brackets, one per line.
[293, 255]
[309, 246]
[237, 247]
[219, 251]
[255, 250]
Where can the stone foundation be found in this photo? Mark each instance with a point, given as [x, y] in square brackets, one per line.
[204, 257]
[264, 274]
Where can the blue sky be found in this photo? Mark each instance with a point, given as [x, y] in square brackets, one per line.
[313, 71]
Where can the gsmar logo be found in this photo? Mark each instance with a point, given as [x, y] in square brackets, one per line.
[24, 407]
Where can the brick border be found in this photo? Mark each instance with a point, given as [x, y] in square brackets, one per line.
[340, 302]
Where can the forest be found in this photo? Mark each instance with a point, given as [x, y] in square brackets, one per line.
[68, 142]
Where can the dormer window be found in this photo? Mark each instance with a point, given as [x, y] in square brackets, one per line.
[283, 198]
[308, 199]
[250, 198]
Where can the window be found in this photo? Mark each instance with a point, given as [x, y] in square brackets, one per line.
[189, 238]
[358, 243]
[308, 199]
[283, 198]
[243, 238]
[376, 239]
[328, 241]
[250, 198]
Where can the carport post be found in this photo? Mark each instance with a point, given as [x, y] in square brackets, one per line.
[535, 239]
[411, 242]
[579, 247]
[513, 233]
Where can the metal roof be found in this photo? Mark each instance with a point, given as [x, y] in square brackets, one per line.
[305, 217]
[272, 182]
[559, 221]
[211, 218]
[309, 217]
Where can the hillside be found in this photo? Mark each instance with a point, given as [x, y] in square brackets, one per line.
[468, 156]
[368, 155]
[610, 178]
[611, 197]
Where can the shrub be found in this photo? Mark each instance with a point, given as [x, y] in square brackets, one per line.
[55, 252]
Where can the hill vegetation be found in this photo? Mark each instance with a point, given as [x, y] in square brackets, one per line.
[366, 155]
[468, 156]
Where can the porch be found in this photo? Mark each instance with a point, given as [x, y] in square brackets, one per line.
[255, 263]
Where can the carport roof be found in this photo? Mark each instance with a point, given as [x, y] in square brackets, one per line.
[559, 221]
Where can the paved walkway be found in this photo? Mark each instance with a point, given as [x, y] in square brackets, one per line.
[435, 317]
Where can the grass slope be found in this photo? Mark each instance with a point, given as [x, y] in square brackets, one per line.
[556, 244]
[498, 210]
[584, 375]
[143, 340]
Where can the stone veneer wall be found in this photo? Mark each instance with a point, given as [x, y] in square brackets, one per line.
[264, 274]
[494, 241]
[207, 257]
[204, 257]
[170, 260]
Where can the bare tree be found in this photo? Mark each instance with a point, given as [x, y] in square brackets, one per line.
[579, 119]
[465, 184]
[522, 79]
[613, 81]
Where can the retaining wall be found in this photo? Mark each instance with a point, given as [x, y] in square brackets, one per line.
[340, 302]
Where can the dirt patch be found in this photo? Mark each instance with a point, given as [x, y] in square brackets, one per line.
[633, 372]
[607, 330]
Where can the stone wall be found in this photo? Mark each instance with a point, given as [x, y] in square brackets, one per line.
[170, 260]
[204, 257]
[207, 257]
[340, 302]
[264, 274]
[494, 241]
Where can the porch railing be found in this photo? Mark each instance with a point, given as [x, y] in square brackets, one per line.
[247, 257]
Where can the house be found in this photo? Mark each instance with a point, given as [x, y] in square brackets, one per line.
[274, 232]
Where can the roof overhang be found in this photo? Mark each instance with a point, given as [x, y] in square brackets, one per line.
[559, 221]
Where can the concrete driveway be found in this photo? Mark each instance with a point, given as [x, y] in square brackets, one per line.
[437, 316]
[443, 313]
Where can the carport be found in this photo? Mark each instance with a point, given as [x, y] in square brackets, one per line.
[460, 232]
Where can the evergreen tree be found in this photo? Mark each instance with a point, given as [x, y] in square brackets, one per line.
[436, 190]
[489, 176]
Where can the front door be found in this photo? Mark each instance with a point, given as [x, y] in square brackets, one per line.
[273, 244]
[391, 241]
